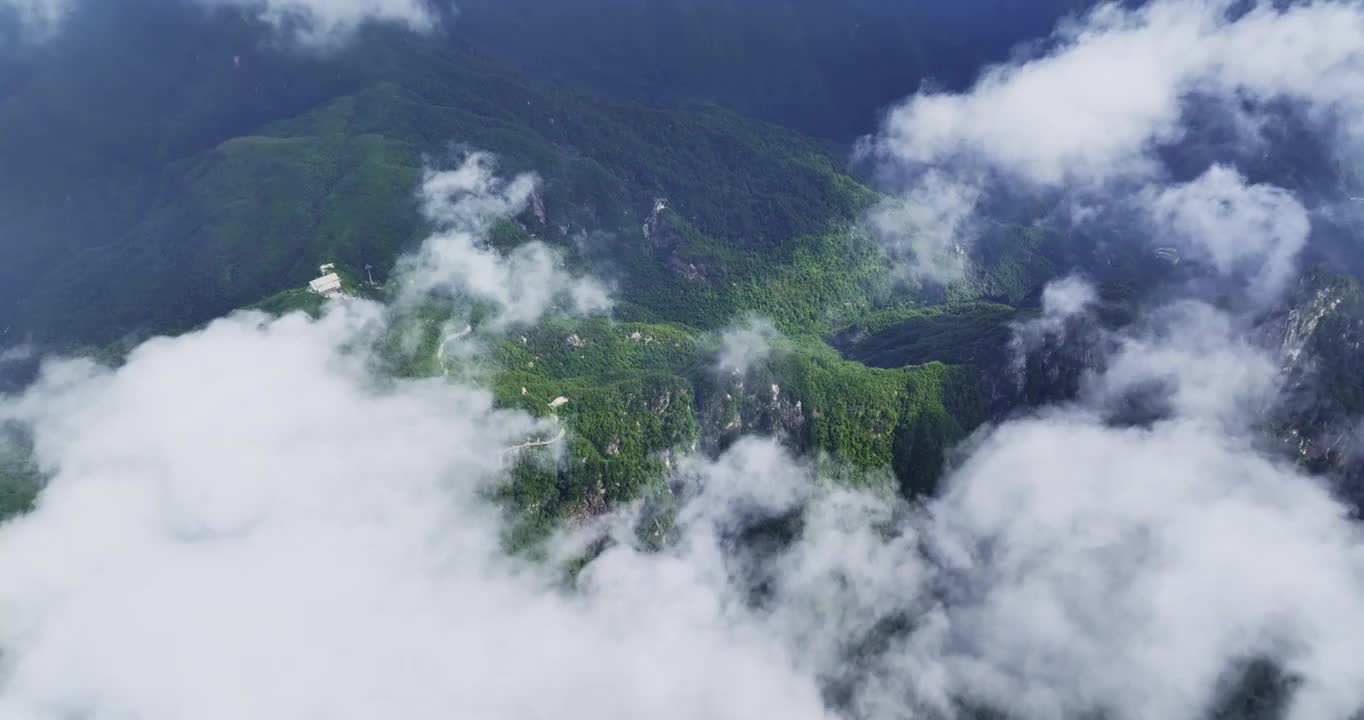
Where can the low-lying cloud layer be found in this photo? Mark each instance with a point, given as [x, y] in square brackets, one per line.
[245, 521]
[1131, 570]
[1089, 119]
[241, 522]
[1195, 361]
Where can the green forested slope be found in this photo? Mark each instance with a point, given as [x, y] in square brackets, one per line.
[209, 168]
[182, 233]
[638, 394]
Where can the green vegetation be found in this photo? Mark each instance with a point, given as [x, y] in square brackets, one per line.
[871, 418]
[959, 333]
[1010, 262]
[626, 408]
[199, 173]
[637, 394]
[20, 479]
[592, 351]
[287, 301]
[230, 187]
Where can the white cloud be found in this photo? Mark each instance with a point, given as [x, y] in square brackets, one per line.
[746, 346]
[318, 21]
[927, 231]
[312, 22]
[1130, 570]
[1118, 83]
[243, 522]
[521, 285]
[1084, 122]
[1067, 297]
[1253, 232]
[1200, 359]
[240, 522]
[17, 353]
[1084, 567]
[38, 18]
[1062, 300]
[1072, 567]
[472, 197]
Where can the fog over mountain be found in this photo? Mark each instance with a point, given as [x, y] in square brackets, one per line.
[1013, 409]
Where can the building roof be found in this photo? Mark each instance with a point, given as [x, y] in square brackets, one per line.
[329, 283]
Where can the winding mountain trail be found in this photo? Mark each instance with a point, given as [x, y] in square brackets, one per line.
[536, 443]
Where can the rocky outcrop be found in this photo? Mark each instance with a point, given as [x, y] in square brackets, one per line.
[748, 403]
[1047, 372]
[1319, 340]
[663, 238]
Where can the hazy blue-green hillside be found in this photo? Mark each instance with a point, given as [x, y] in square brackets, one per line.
[164, 165]
[211, 171]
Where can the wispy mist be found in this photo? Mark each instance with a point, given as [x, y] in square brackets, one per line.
[457, 260]
[313, 23]
[1253, 231]
[38, 18]
[323, 21]
[746, 346]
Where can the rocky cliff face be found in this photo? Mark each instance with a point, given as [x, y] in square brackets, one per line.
[1051, 371]
[1317, 336]
[1319, 340]
[749, 403]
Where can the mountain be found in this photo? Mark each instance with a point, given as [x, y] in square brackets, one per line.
[203, 174]
[163, 152]
[1319, 335]
[825, 68]
[206, 167]
[649, 384]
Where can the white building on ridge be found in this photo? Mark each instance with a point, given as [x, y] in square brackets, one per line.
[329, 284]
